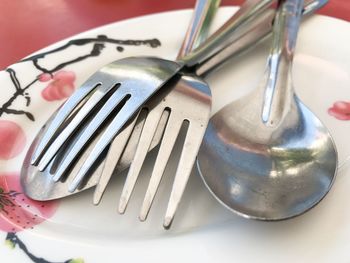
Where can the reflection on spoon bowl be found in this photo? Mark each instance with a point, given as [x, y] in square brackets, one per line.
[267, 156]
[267, 175]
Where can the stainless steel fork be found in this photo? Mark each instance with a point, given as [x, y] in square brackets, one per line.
[173, 104]
[125, 84]
[188, 101]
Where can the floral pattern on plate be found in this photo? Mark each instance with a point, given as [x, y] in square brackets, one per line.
[205, 224]
[340, 110]
[61, 85]
[17, 212]
[12, 139]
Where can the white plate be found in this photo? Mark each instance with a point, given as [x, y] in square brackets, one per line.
[203, 230]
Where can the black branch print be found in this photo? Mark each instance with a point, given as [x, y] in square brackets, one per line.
[98, 44]
[21, 91]
[14, 241]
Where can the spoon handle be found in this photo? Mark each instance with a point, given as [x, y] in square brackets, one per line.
[285, 30]
[278, 91]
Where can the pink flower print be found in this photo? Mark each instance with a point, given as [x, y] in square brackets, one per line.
[340, 110]
[18, 212]
[12, 140]
[60, 87]
[44, 77]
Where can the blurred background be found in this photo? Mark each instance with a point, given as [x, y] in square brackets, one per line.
[29, 25]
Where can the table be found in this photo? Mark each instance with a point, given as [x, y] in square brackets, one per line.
[29, 25]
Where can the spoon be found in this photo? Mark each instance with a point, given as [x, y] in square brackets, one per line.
[266, 156]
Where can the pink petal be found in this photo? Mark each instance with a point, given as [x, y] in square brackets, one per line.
[342, 106]
[12, 140]
[66, 90]
[55, 92]
[46, 94]
[23, 213]
[44, 77]
[61, 87]
[51, 92]
[65, 76]
[339, 115]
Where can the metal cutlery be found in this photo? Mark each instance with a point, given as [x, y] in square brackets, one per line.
[120, 89]
[175, 102]
[40, 186]
[266, 156]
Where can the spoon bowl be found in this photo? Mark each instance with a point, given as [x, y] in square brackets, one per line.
[266, 156]
[266, 173]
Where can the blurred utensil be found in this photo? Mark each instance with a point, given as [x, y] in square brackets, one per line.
[267, 156]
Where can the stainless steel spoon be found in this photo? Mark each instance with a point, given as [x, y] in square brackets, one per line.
[267, 156]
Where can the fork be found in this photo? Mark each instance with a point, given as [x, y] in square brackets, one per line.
[190, 101]
[188, 91]
[124, 84]
[178, 106]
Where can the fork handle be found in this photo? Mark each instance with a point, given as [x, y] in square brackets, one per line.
[199, 26]
[259, 30]
[250, 10]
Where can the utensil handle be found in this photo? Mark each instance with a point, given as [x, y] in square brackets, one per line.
[199, 26]
[259, 30]
[219, 40]
[279, 89]
[312, 6]
[285, 30]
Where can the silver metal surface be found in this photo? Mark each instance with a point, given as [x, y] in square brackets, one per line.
[260, 29]
[135, 79]
[39, 184]
[238, 23]
[267, 156]
[200, 23]
[189, 99]
[138, 79]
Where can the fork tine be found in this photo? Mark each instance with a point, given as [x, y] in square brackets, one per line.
[110, 164]
[167, 144]
[77, 121]
[67, 108]
[189, 152]
[144, 143]
[93, 126]
[130, 107]
[113, 156]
